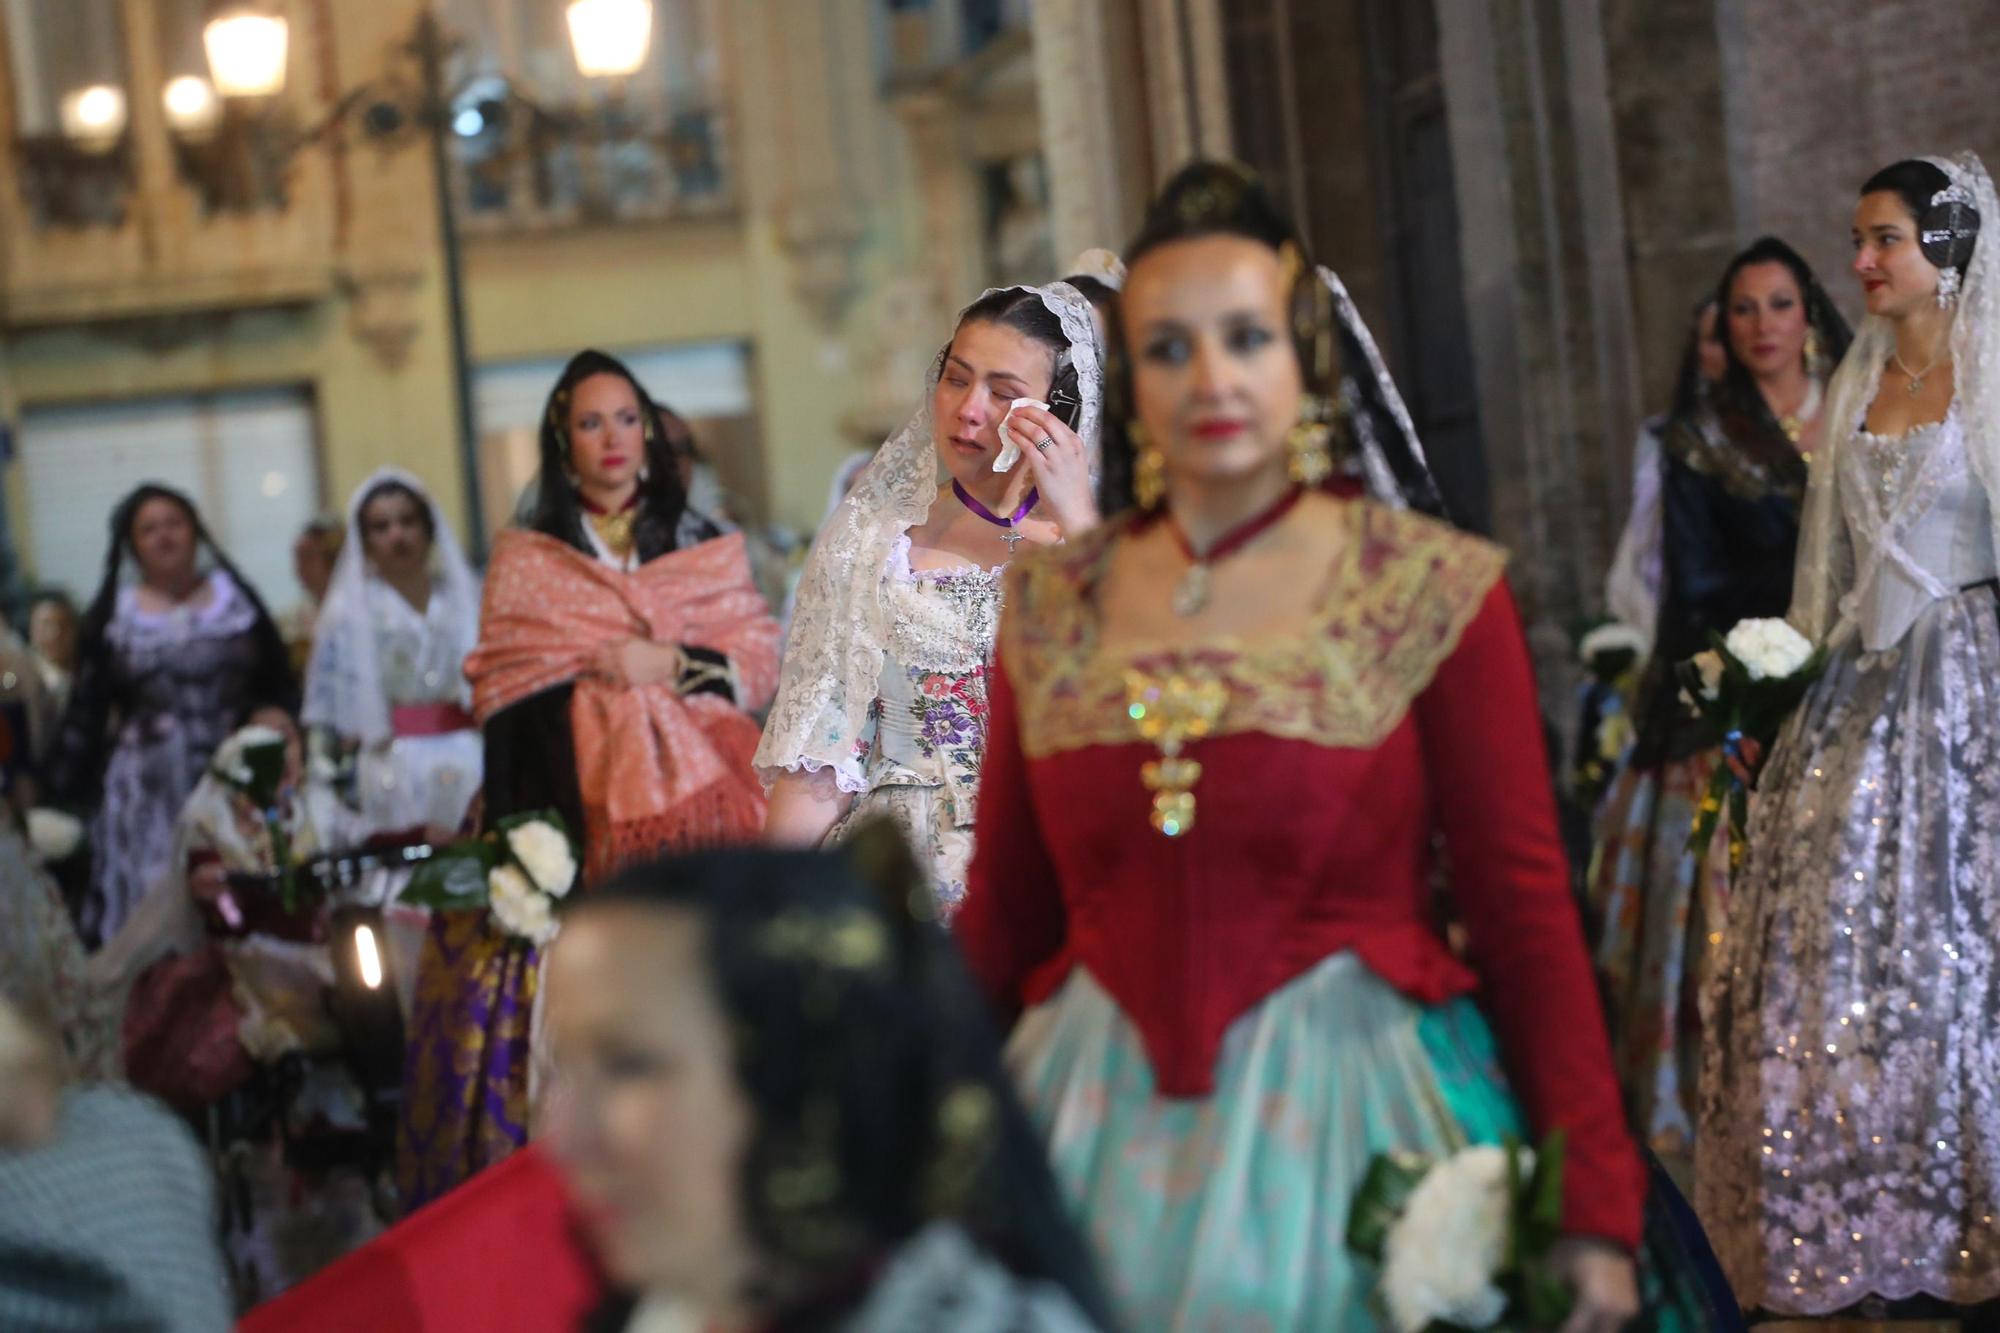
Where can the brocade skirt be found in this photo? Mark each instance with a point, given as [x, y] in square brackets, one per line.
[1850, 1097]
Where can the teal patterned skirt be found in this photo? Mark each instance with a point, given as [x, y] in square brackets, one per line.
[1230, 1211]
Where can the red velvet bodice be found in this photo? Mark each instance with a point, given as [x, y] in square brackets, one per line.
[1304, 848]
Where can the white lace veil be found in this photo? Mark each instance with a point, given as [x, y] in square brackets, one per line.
[1391, 457]
[1825, 573]
[344, 690]
[833, 659]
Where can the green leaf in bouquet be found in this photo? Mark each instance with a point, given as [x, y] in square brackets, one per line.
[1539, 1221]
[281, 861]
[1510, 1260]
[454, 878]
[1544, 1300]
[1772, 702]
[1384, 1192]
[1708, 814]
[266, 765]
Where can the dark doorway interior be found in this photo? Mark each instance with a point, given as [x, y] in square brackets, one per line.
[1340, 104]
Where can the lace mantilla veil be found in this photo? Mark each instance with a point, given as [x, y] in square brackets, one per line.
[1391, 457]
[833, 659]
[1825, 576]
[344, 684]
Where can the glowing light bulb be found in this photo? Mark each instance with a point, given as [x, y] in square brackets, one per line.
[191, 105]
[610, 37]
[369, 956]
[93, 117]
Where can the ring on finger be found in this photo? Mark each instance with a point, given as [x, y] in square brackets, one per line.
[1046, 443]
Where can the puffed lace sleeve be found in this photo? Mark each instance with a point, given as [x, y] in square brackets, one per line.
[822, 719]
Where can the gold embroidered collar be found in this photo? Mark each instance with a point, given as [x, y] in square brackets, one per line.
[1401, 592]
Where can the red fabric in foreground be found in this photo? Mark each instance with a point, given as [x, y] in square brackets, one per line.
[496, 1254]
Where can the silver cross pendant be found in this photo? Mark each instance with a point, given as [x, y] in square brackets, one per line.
[1013, 538]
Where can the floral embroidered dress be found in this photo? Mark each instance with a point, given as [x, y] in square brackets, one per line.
[919, 754]
[883, 692]
[1245, 1014]
[1730, 514]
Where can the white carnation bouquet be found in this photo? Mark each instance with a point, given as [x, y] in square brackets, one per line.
[517, 872]
[53, 835]
[1463, 1242]
[1744, 687]
[251, 763]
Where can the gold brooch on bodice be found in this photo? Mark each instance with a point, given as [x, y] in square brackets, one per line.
[1170, 711]
[615, 531]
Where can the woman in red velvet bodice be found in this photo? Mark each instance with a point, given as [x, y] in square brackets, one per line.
[1226, 729]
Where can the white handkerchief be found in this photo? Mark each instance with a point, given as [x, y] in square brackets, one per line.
[1010, 448]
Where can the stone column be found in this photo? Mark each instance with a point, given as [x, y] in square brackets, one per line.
[1187, 81]
[1542, 240]
[794, 163]
[1090, 85]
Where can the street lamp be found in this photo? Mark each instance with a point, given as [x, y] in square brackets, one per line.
[93, 118]
[246, 51]
[609, 37]
[247, 47]
[191, 106]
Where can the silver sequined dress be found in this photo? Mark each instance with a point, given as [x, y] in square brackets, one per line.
[927, 729]
[1849, 1142]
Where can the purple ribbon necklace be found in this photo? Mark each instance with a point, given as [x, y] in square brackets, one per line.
[1009, 532]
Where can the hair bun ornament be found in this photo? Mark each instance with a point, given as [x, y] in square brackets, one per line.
[1946, 233]
[1102, 264]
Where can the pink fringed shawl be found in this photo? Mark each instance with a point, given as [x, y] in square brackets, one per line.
[656, 770]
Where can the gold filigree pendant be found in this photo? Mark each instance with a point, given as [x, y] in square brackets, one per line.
[1171, 711]
[1170, 781]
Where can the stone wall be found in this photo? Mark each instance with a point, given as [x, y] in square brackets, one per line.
[1823, 92]
[1673, 169]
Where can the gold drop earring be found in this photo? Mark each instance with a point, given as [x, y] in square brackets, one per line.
[1309, 458]
[1149, 471]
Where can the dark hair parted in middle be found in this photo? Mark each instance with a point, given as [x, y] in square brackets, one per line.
[1023, 310]
[868, 1060]
[1225, 199]
[558, 511]
[1739, 404]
